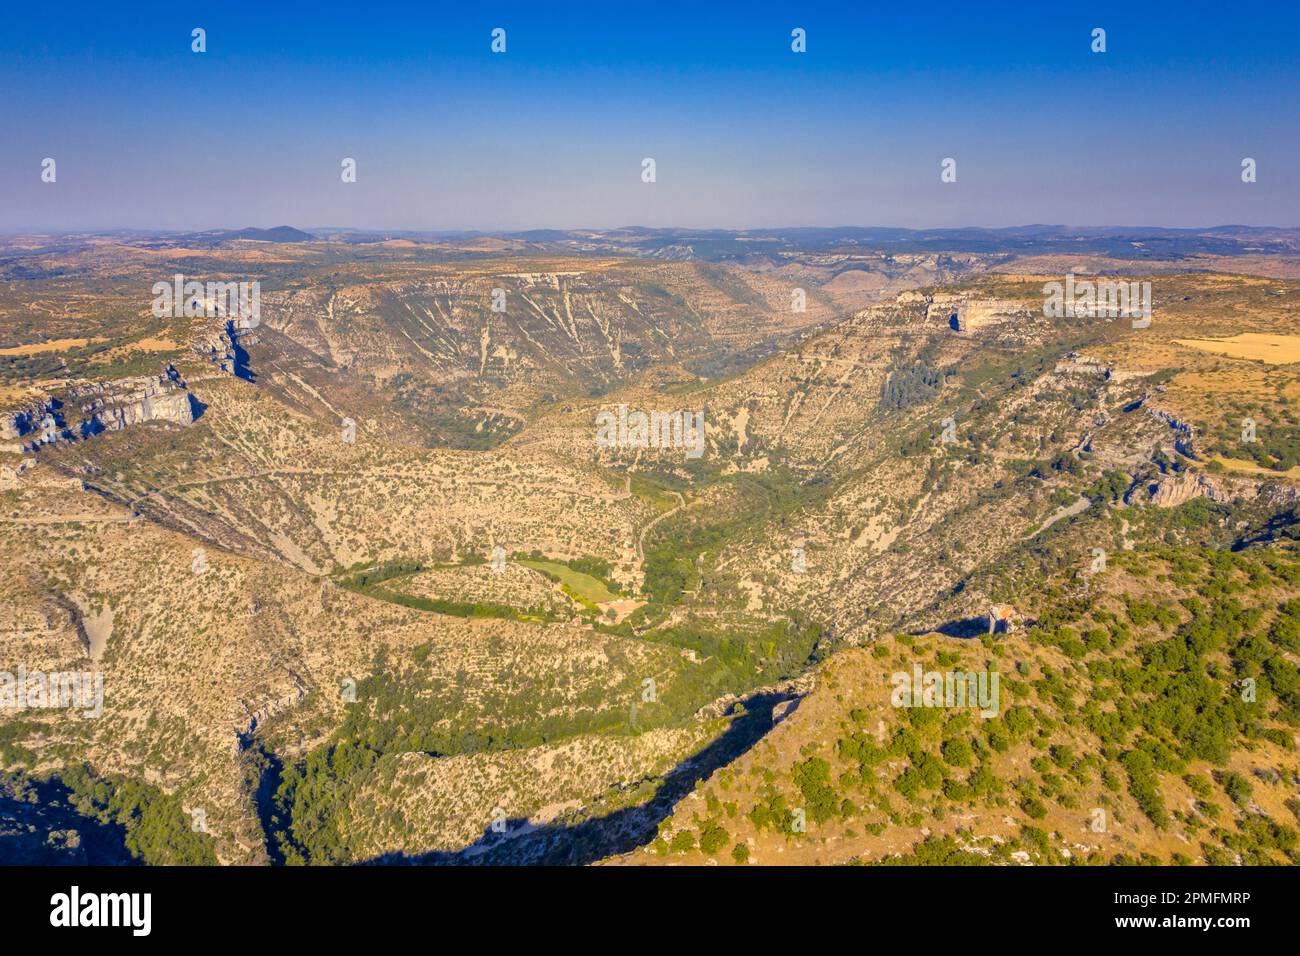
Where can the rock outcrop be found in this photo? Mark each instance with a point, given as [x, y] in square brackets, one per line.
[1184, 433]
[21, 420]
[1075, 363]
[225, 345]
[969, 315]
[1174, 490]
[86, 409]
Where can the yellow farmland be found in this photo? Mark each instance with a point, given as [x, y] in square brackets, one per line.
[1273, 349]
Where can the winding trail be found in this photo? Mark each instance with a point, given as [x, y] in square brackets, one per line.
[1068, 511]
[640, 541]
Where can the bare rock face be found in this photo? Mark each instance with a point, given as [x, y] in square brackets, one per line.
[984, 312]
[969, 315]
[21, 420]
[225, 345]
[1278, 494]
[1179, 489]
[1076, 363]
[110, 406]
[22, 429]
[1184, 433]
[88, 409]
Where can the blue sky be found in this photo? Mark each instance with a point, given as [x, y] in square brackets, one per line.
[745, 133]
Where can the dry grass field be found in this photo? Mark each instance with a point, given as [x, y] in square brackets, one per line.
[1254, 346]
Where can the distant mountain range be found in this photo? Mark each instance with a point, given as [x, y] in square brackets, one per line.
[274, 234]
[765, 248]
[1131, 242]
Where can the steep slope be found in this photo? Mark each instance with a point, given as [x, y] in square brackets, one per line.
[1153, 719]
[301, 636]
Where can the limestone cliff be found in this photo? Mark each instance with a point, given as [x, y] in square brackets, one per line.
[1174, 490]
[225, 345]
[964, 314]
[86, 409]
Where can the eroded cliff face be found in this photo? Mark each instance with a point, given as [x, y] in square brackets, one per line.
[224, 345]
[21, 420]
[85, 409]
[1175, 490]
[1184, 432]
[966, 314]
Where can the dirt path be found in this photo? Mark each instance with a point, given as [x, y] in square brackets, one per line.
[1069, 511]
[640, 541]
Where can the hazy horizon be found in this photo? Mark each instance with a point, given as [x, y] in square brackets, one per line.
[450, 136]
[628, 227]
